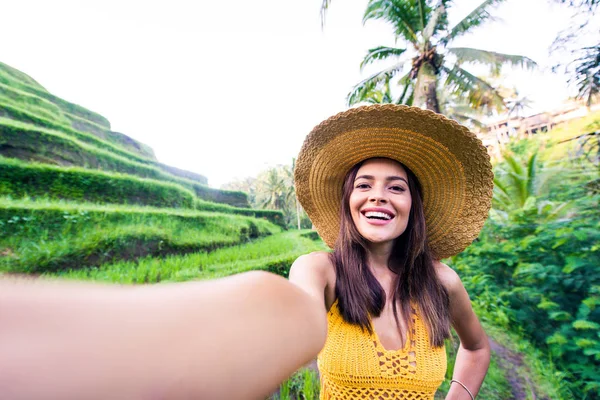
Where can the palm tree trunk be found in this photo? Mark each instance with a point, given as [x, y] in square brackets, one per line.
[425, 89]
[298, 212]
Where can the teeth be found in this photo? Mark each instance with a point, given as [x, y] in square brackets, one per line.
[377, 214]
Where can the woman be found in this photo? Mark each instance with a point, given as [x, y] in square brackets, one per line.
[239, 337]
[390, 302]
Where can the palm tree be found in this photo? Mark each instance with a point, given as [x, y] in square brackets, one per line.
[275, 191]
[428, 63]
[517, 104]
[587, 74]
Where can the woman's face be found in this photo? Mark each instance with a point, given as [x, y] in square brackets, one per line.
[380, 201]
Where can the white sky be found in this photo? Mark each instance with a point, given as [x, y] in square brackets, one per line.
[228, 88]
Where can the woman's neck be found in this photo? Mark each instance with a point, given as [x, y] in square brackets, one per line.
[378, 256]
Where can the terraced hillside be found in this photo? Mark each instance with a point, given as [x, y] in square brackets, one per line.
[79, 200]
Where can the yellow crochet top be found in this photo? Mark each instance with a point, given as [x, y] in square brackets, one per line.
[354, 364]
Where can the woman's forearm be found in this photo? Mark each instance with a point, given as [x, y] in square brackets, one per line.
[470, 368]
[234, 338]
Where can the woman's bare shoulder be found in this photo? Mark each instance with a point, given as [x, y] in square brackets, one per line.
[448, 277]
[317, 262]
[315, 274]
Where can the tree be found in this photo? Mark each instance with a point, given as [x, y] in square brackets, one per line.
[516, 104]
[584, 68]
[587, 74]
[428, 62]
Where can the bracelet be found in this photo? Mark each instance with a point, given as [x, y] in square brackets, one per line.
[464, 387]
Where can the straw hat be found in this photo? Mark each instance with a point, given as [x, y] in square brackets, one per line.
[451, 164]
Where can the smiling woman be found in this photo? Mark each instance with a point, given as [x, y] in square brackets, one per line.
[415, 187]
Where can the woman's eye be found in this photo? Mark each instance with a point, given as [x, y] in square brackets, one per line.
[362, 186]
[397, 188]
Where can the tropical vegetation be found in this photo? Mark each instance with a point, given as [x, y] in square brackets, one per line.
[79, 201]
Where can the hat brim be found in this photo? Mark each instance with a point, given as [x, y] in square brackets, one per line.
[449, 161]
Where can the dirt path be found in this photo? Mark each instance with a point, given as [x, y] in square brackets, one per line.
[515, 371]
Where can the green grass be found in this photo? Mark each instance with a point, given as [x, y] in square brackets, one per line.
[13, 77]
[98, 140]
[52, 236]
[32, 103]
[21, 179]
[274, 253]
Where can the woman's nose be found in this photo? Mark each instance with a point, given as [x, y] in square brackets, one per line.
[377, 197]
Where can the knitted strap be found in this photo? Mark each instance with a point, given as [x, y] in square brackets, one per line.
[464, 387]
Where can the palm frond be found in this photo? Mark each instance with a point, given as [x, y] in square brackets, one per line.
[466, 119]
[422, 6]
[363, 90]
[477, 92]
[532, 168]
[324, 7]
[406, 97]
[490, 58]
[587, 74]
[401, 14]
[477, 17]
[435, 21]
[516, 175]
[380, 53]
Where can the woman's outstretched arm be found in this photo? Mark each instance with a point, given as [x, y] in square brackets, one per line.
[233, 338]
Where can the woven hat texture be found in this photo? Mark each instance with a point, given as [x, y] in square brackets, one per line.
[449, 161]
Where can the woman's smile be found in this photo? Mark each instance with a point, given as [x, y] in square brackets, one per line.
[377, 215]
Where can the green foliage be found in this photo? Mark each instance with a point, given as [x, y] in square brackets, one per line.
[275, 217]
[41, 236]
[232, 197]
[302, 385]
[536, 268]
[20, 179]
[274, 189]
[14, 77]
[32, 104]
[274, 253]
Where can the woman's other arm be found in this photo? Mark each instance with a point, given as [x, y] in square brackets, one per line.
[473, 357]
[233, 338]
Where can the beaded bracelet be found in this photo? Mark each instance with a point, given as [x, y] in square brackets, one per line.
[464, 387]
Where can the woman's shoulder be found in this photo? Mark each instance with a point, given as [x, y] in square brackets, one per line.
[317, 262]
[448, 277]
[315, 273]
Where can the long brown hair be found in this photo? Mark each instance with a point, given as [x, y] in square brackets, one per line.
[359, 293]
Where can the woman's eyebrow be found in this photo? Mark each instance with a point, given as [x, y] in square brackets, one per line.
[389, 178]
[396, 178]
